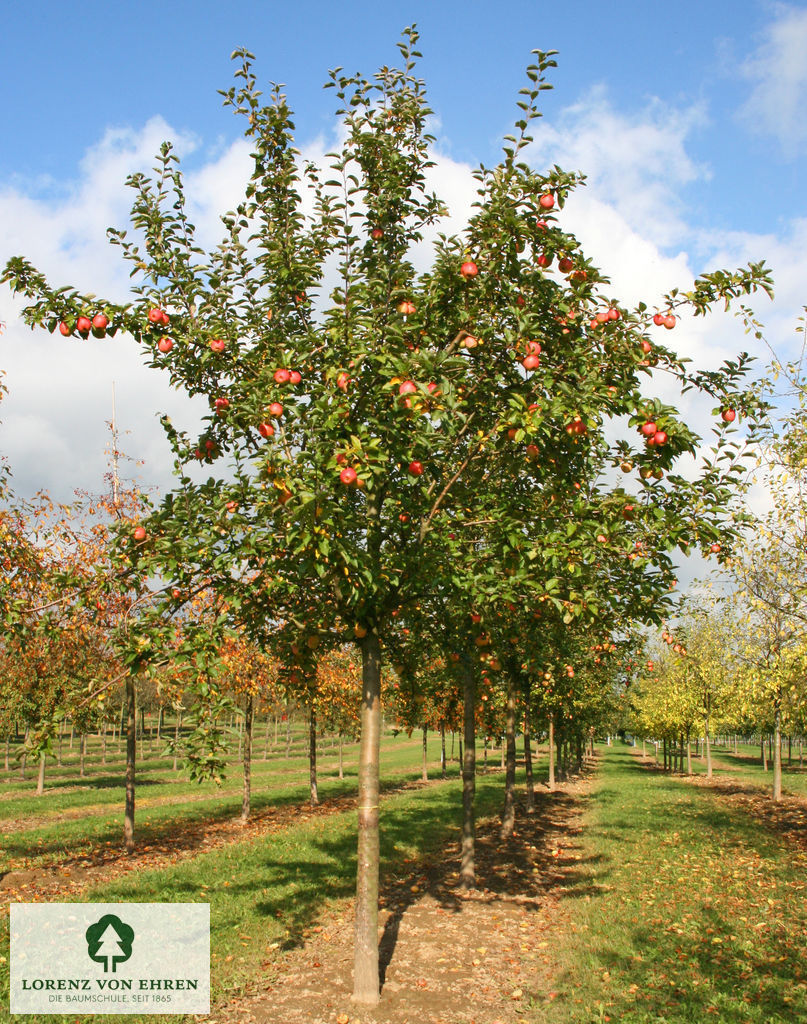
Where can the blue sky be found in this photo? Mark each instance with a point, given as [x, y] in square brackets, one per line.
[687, 117]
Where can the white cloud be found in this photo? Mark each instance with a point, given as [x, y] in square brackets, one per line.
[778, 73]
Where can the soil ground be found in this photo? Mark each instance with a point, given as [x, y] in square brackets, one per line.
[446, 958]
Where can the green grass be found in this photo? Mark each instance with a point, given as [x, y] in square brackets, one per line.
[683, 910]
[265, 894]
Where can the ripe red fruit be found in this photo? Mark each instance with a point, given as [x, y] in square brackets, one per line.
[543, 260]
[533, 348]
[155, 315]
[565, 264]
[164, 318]
[531, 362]
[613, 313]
[222, 405]
[266, 430]
[547, 201]
[282, 376]
[218, 345]
[469, 269]
[532, 451]
[139, 533]
[100, 322]
[276, 409]
[348, 476]
[407, 388]
[83, 325]
[342, 381]
[520, 300]
[406, 308]
[295, 377]
[176, 594]
[376, 233]
[714, 548]
[416, 468]
[65, 329]
[647, 348]
[627, 512]
[669, 322]
[648, 429]
[165, 344]
[660, 437]
[728, 415]
[658, 319]
[541, 225]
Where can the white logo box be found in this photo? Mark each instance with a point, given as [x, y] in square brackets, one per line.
[110, 958]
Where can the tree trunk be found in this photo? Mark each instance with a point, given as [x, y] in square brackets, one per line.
[509, 810]
[266, 740]
[424, 774]
[442, 750]
[485, 753]
[551, 742]
[365, 978]
[689, 755]
[8, 743]
[58, 748]
[247, 754]
[288, 732]
[708, 747]
[312, 756]
[131, 748]
[777, 747]
[341, 763]
[468, 849]
[644, 749]
[530, 807]
[71, 734]
[40, 782]
[83, 749]
[24, 760]
[240, 737]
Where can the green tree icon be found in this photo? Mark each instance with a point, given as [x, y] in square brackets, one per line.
[109, 941]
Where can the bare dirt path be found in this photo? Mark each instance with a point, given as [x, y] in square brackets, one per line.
[484, 958]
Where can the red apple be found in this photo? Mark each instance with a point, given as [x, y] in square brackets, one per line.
[139, 533]
[469, 269]
[218, 345]
[276, 409]
[416, 468]
[295, 377]
[531, 362]
[660, 437]
[155, 315]
[541, 225]
[342, 381]
[648, 429]
[348, 476]
[266, 430]
[100, 322]
[221, 405]
[728, 415]
[627, 512]
[84, 325]
[65, 329]
[669, 322]
[547, 201]
[544, 259]
[714, 548]
[406, 308]
[613, 313]
[176, 594]
[165, 344]
[647, 348]
[565, 264]
[658, 319]
[533, 348]
[532, 451]
[282, 376]
[376, 233]
[408, 387]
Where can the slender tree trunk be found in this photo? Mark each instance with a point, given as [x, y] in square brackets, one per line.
[240, 737]
[485, 752]
[288, 731]
[365, 978]
[461, 754]
[341, 763]
[789, 750]
[24, 760]
[58, 747]
[644, 749]
[424, 774]
[312, 756]
[762, 751]
[689, 755]
[274, 742]
[8, 743]
[708, 747]
[736, 751]
[83, 751]
[530, 806]
[468, 849]
[71, 733]
[177, 721]
[103, 744]
[40, 782]
[509, 810]
[551, 742]
[131, 750]
[452, 744]
[442, 750]
[266, 740]
[777, 748]
[247, 755]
